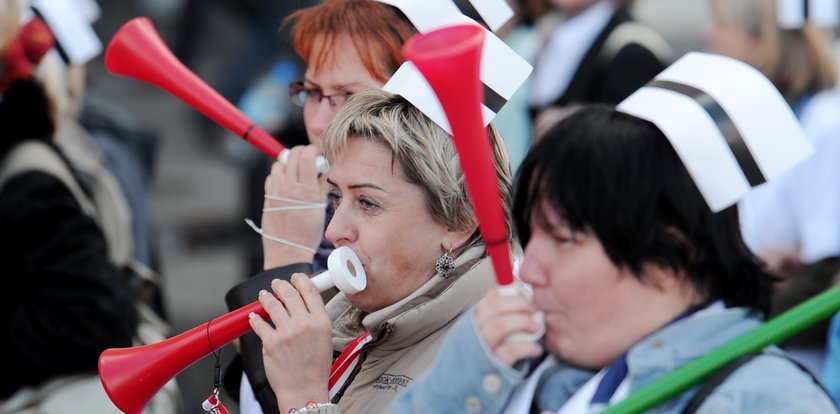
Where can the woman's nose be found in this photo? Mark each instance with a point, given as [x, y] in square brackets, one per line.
[531, 271]
[317, 119]
[340, 231]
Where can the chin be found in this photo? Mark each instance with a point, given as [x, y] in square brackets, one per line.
[354, 299]
[358, 300]
[551, 342]
[560, 347]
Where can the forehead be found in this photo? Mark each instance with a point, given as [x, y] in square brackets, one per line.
[341, 66]
[364, 158]
[546, 215]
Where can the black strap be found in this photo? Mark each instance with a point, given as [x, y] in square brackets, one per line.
[718, 377]
[712, 381]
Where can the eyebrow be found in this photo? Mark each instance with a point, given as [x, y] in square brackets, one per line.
[342, 86]
[357, 186]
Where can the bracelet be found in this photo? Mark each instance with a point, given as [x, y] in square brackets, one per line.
[277, 239]
[312, 407]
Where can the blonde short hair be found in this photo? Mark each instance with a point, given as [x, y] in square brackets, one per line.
[797, 61]
[421, 151]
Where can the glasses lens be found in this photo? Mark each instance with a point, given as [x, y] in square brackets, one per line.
[338, 100]
[298, 93]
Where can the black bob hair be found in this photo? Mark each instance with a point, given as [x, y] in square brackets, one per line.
[617, 177]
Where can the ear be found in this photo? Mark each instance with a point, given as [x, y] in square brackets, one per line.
[758, 55]
[454, 239]
[661, 278]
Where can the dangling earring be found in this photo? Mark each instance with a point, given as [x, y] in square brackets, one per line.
[445, 265]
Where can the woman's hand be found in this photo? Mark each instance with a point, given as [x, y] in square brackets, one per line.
[499, 316]
[297, 353]
[297, 179]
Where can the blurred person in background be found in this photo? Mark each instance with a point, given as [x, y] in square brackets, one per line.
[793, 223]
[64, 301]
[594, 52]
[114, 158]
[523, 34]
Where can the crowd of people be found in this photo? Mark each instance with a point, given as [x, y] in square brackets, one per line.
[657, 207]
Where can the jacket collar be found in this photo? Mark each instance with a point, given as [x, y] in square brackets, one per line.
[684, 341]
[425, 310]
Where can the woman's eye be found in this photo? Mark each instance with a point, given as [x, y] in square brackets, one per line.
[334, 198]
[367, 204]
[562, 239]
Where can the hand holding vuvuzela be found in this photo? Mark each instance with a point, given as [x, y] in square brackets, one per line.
[132, 376]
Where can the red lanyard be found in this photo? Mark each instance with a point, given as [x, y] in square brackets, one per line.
[214, 406]
[346, 362]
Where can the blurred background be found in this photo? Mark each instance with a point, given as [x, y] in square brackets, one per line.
[203, 176]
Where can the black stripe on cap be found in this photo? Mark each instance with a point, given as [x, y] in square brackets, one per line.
[724, 123]
[493, 100]
[806, 10]
[467, 9]
[57, 44]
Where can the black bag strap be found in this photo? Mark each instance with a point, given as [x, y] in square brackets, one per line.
[712, 381]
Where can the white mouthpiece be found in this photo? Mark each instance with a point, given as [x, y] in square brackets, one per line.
[345, 272]
[539, 317]
[320, 162]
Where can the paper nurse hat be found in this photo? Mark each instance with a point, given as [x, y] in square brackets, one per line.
[792, 14]
[69, 21]
[730, 126]
[503, 71]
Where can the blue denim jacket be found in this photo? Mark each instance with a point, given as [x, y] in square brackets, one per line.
[467, 378]
[831, 372]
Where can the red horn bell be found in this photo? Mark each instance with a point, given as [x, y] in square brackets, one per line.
[138, 52]
[132, 376]
[450, 60]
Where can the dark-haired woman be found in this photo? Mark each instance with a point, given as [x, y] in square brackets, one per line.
[636, 276]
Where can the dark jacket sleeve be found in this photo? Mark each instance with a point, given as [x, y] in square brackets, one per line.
[250, 344]
[632, 67]
[63, 301]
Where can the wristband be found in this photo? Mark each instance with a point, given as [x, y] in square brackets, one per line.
[312, 407]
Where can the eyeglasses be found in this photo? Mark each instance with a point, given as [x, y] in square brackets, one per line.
[300, 95]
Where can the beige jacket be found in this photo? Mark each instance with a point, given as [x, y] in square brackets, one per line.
[407, 334]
